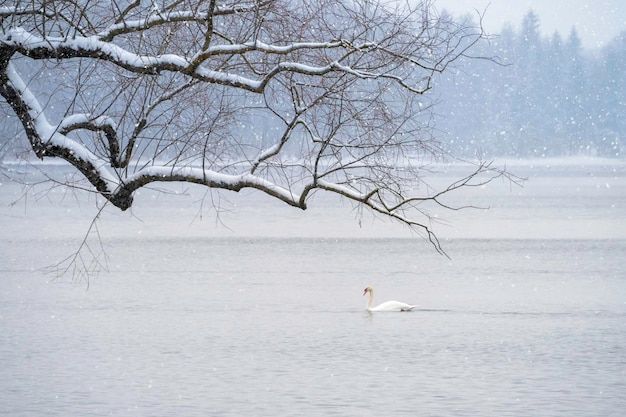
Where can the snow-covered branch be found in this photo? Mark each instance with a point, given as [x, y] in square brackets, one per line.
[168, 17]
[37, 47]
[283, 97]
[208, 178]
[52, 140]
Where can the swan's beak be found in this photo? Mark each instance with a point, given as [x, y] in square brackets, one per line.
[364, 291]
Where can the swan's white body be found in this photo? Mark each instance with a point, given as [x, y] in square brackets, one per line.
[387, 305]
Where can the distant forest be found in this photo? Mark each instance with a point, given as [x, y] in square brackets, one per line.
[543, 97]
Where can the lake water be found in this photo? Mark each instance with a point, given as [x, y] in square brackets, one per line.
[257, 309]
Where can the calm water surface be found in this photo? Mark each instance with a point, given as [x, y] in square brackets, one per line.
[527, 318]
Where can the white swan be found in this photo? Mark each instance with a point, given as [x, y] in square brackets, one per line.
[387, 305]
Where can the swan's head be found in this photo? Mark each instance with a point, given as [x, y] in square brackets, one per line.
[367, 289]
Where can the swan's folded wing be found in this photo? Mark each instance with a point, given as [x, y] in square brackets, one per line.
[393, 306]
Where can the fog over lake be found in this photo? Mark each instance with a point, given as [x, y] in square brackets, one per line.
[257, 308]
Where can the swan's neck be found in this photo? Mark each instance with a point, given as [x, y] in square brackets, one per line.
[369, 300]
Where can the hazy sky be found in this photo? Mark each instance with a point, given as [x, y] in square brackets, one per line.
[597, 21]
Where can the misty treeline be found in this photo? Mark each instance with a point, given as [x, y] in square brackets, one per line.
[545, 97]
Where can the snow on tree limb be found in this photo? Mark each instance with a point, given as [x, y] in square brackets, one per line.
[92, 47]
[283, 97]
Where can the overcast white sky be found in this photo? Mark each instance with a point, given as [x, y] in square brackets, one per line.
[597, 21]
